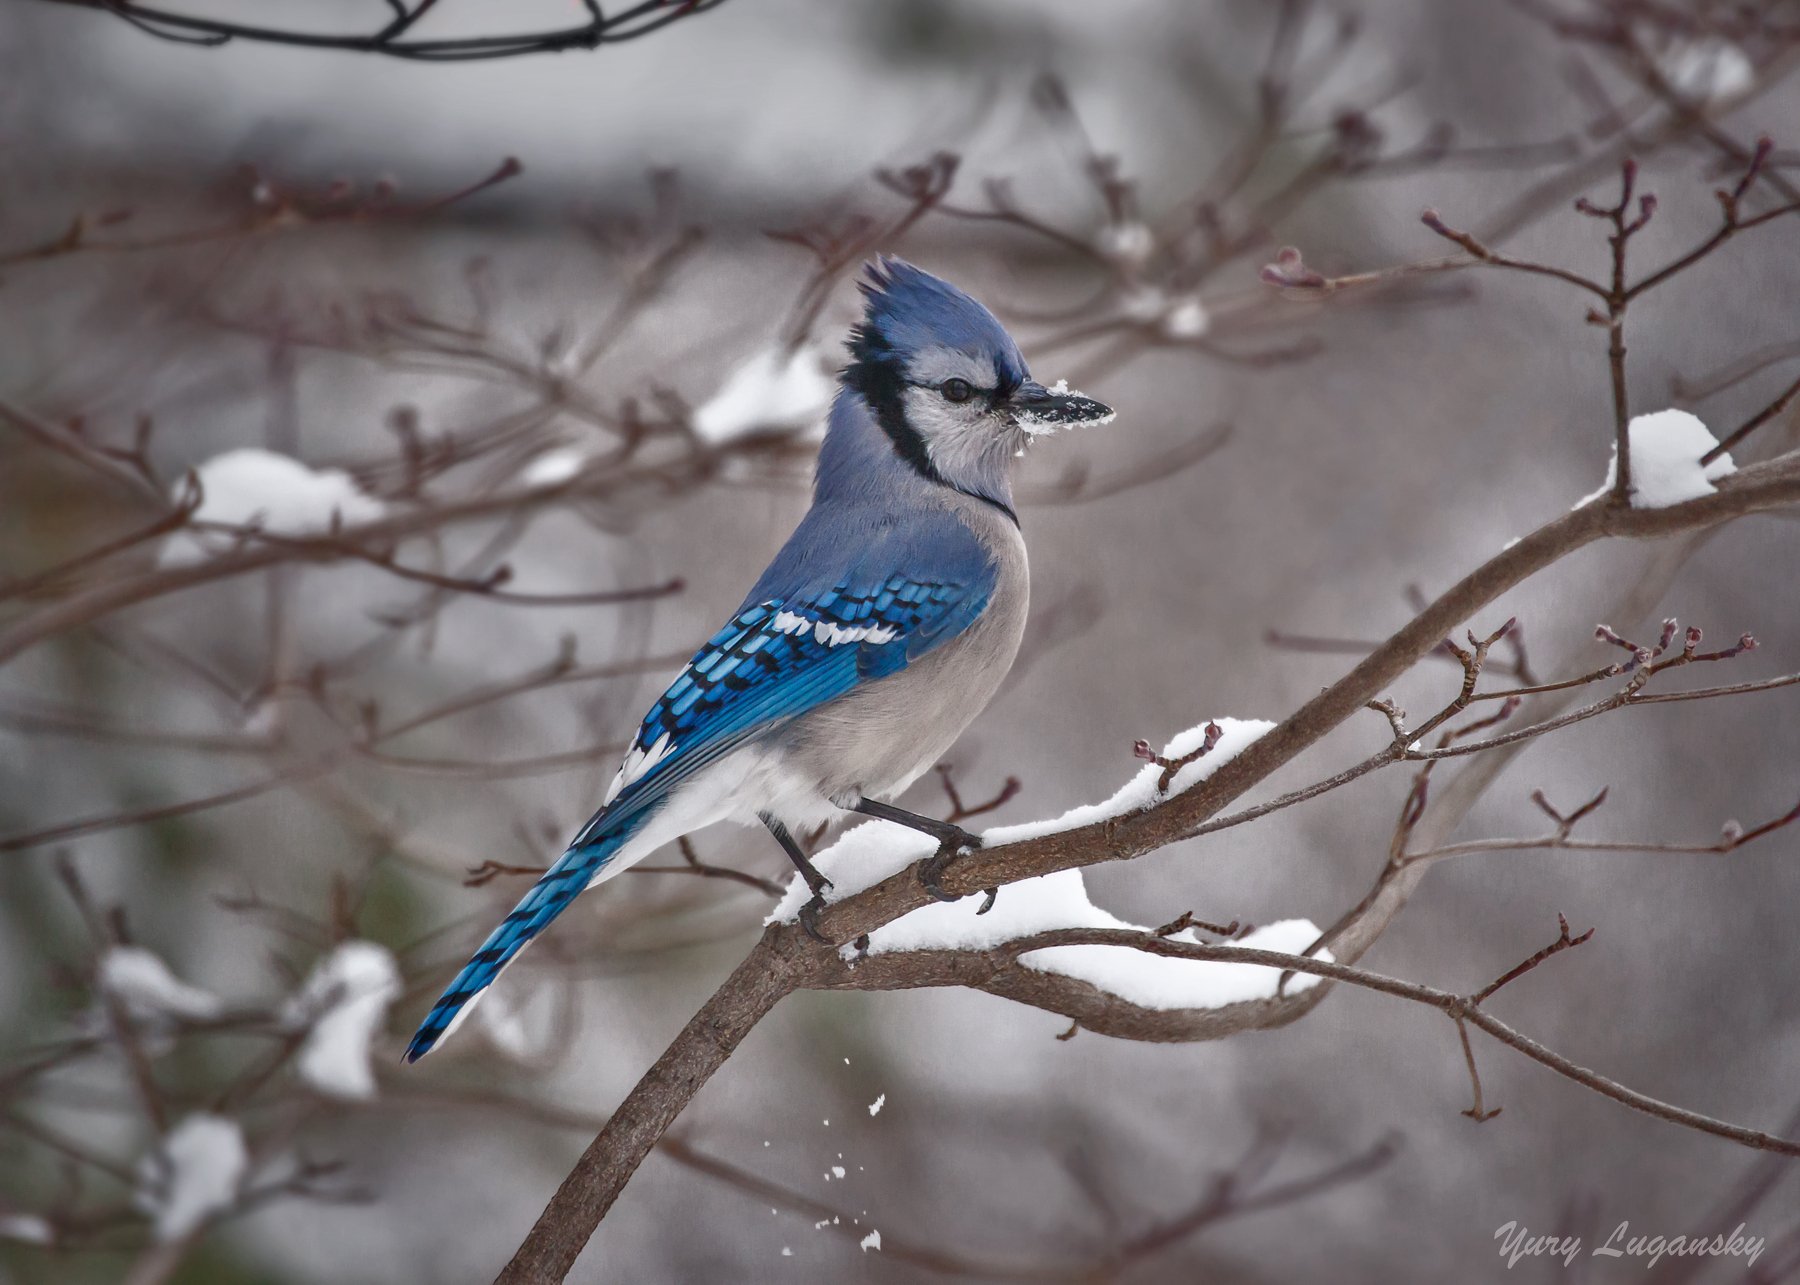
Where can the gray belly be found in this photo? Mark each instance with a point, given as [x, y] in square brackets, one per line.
[879, 738]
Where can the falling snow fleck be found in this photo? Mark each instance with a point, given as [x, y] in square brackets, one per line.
[874, 1107]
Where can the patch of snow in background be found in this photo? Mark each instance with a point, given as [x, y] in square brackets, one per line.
[262, 718]
[772, 391]
[553, 467]
[510, 1020]
[1130, 242]
[1186, 319]
[1666, 447]
[273, 491]
[1142, 303]
[27, 1229]
[196, 1173]
[1711, 70]
[140, 980]
[504, 1026]
[345, 1002]
[872, 851]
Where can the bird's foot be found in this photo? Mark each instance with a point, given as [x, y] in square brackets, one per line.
[964, 840]
[931, 870]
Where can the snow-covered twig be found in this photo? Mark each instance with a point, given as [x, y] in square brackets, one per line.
[342, 1007]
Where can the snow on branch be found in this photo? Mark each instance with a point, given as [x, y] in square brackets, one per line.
[270, 492]
[142, 982]
[776, 390]
[1161, 982]
[872, 851]
[27, 1229]
[1673, 459]
[196, 1173]
[344, 1002]
[868, 853]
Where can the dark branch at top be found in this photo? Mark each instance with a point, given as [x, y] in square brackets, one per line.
[388, 39]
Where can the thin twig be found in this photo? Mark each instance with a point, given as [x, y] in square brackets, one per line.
[189, 29]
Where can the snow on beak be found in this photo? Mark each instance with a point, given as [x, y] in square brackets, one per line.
[1038, 410]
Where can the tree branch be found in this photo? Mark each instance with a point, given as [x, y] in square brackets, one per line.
[785, 959]
[1754, 489]
[187, 29]
[782, 961]
[937, 968]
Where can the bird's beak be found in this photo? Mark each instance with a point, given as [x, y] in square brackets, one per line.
[1039, 410]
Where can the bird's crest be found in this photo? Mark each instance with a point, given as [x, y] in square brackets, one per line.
[907, 310]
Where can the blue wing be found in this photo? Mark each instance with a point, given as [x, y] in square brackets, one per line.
[777, 659]
[795, 644]
[852, 597]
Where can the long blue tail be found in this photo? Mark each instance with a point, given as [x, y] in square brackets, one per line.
[548, 898]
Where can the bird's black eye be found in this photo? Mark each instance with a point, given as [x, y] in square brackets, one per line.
[956, 390]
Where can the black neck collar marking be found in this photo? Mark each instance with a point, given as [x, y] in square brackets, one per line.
[877, 379]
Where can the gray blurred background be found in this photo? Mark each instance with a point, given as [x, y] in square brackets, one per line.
[1427, 425]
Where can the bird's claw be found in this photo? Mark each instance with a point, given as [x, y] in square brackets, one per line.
[809, 917]
[932, 868]
[929, 870]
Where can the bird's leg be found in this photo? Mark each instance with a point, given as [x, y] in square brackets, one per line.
[809, 913]
[947, 833]
[952, 839]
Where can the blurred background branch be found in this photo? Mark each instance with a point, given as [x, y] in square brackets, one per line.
[393, 37]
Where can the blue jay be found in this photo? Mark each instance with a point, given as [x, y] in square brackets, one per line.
[884, 625]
